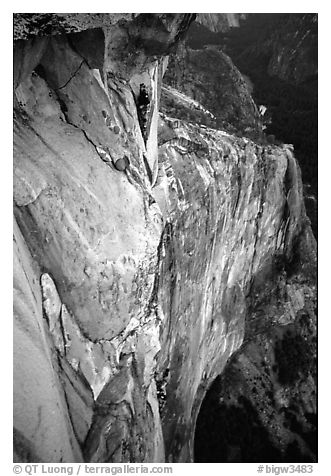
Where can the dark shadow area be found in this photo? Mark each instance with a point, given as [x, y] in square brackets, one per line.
[234, 433]
[231, 433]
[262, 408]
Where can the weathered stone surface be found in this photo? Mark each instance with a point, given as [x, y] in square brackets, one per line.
[124, 424]
[144, 276]
[79, 205]
[95, 232]
[27, 55]
[79, 399]
[232, 216]
[43, 430]
[43, 24]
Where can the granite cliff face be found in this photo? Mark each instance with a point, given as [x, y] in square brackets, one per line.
[142, 263]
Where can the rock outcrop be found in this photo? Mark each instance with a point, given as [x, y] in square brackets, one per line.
[135, 284]
[210, 78]
[240, 205]
[220, 22]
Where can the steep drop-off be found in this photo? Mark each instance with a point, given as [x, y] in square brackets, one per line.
[279, 53]
[141, 263]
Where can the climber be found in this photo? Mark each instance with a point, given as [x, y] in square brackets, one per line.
[143, 95]
[143, 108]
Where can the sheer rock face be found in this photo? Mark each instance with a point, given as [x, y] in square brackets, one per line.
[132, 287]
[236, 209]
[91, 233]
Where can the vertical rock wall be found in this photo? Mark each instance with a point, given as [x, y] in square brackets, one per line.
[237, 217]
[133, 291]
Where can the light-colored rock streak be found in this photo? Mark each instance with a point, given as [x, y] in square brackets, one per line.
[97, 361]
